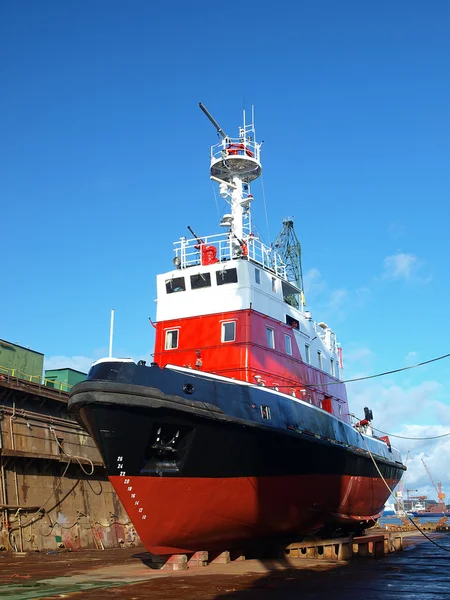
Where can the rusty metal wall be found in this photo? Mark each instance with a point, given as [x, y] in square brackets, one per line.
[54, 491]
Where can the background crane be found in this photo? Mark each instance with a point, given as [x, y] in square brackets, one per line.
[399, 492]
[440, 494]
[289, 249]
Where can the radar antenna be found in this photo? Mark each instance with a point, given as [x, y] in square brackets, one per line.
[289, 249]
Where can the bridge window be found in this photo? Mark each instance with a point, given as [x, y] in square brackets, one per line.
[288, 343]
[270, 337]
[200, 280]
[228, 276]
[332, 369]
[274, 284]
[229, 331]
[307, 354]
[171, 339]
[257, 276]
[177, 284]
[319, 359]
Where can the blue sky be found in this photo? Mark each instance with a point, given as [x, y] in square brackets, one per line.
[104, 163]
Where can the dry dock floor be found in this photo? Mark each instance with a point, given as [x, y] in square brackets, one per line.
[420, 572]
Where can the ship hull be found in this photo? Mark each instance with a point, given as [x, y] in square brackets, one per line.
[428, 515]
[193, 475]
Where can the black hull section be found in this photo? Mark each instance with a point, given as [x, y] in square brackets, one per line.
[162, 439]
[188, 425]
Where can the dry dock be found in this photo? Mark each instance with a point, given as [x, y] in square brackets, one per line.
[420, 572]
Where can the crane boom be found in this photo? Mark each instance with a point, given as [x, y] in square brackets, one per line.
[438, 488]
[213, 121]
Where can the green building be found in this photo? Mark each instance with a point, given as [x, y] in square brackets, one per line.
[21, 362]
[63, 379]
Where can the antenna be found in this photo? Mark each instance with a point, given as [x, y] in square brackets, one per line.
[213, 121]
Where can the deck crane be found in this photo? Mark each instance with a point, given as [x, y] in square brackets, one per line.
[440, 494]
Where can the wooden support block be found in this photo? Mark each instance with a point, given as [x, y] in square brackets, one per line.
[378, 548]
[176, 562]
[199, 559]
[331, 551]
[398, 542]
[222, 558]
[345, 551]
[368, 545]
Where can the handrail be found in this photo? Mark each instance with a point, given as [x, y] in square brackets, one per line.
[188, 251]
[49, 383]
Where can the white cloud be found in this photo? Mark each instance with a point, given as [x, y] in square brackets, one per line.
[394, 406]
[401, 411]
[332, 304]
[411, 358]
[434, 452]
[337, 299]
[79, 363]
[313, 283]
[358, 354]
[399, 266]
[404, 266]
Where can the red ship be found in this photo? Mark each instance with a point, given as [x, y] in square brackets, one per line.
[239, 431]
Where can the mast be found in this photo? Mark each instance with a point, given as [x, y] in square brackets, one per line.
[235, 163]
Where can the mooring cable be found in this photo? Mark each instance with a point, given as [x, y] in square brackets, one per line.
[392, 493]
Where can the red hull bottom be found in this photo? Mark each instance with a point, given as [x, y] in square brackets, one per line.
[175, 514]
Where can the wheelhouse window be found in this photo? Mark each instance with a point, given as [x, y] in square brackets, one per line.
[307, 354]
[229, 331]
[292, 322]
[171, 339]
[319, 359]
[257, 276]
[228, 276]
[270, 333]
[288, 343]
[200, 280]
[290, 294]
[177, 284]
[274, 284]
[332, 368]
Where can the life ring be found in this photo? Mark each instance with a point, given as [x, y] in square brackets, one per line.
[239, 149]
[208, 255]
[244, 249]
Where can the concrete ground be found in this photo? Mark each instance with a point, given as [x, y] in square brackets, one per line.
[420, 572]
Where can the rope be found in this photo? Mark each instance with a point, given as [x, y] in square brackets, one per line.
[426, 362]
[77, 458]
[404, 437]
[392, 493]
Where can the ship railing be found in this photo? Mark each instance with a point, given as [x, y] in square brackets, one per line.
[327, 336]
[9, 375]
[239, 146]
[225, 246]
